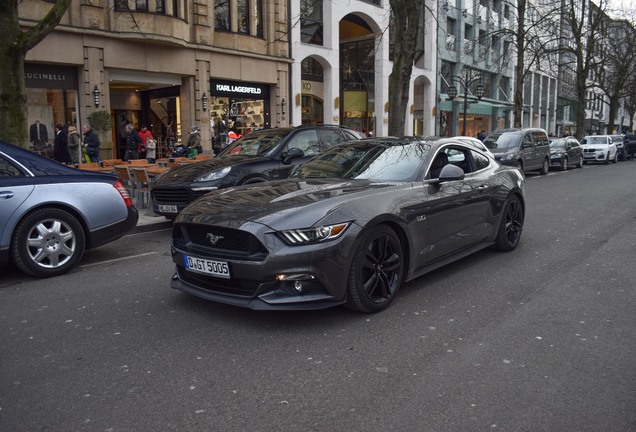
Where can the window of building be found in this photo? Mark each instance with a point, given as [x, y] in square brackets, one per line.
[160, 7]
[141, 5]
[243, 16]
[222, 15]
[311, 24]
[240, 16]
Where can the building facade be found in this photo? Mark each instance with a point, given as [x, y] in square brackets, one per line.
[169, 65]
[474, 56]
[342, 55]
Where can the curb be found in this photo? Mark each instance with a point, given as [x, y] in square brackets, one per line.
[159, 225]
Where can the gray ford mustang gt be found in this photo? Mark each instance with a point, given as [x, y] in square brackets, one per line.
[348, 227]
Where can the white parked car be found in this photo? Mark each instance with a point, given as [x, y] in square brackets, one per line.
[599, 148]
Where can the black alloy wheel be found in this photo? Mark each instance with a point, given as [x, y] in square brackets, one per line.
[376, 271]
[564, 163]
[546, 167]
[48, 242]
[511, 225]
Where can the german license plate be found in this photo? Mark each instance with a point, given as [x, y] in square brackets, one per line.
[215, 268]
[167, 208]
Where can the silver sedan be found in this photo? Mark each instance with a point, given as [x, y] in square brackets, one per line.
[50, 213]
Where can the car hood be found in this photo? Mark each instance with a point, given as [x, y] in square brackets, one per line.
[192, 171]
[281, 204]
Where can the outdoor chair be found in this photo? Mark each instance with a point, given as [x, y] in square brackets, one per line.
[142, 185]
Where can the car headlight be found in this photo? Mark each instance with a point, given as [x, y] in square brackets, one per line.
[214, 175]
[508, 156]
[305, 236]
[557, 155]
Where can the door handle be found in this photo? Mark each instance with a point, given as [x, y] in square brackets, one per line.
[6, 194]
[482, 187]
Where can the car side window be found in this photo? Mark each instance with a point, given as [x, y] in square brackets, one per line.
[307, 141]
[349, 136]
[459, 157]
[526, 141]
[331, 137]
[540, 138]
[481, 161]
[8, 171]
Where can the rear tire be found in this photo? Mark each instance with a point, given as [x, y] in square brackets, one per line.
[376, 271]
[546, 167]
[48, 242]
[564, 163]
[511, 225]
[580, 163]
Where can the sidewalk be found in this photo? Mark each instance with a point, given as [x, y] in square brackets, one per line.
[150, 223]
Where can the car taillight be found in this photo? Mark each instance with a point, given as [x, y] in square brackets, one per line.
[123, 192]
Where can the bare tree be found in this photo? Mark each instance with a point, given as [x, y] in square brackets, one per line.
[585, 22]
[14, 44]
[406, 22]
[614, 72]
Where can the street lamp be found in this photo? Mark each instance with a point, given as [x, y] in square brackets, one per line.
[466, 82]
[96, 95]
[204, 102]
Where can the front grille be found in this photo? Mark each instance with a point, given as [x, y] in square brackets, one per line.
[180, 196]
[219, 241]
[589, 150]
[240, 288]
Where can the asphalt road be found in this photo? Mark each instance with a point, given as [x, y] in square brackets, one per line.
[539, 339]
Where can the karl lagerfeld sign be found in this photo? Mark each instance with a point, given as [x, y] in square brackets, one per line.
[238, 89]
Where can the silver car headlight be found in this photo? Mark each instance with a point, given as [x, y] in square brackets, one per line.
[214, 175]
[297, 237]
[508, 156]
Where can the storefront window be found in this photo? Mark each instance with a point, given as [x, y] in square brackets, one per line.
[52, 99]
[357, 60]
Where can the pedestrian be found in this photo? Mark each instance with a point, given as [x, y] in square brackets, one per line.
[60, 146]
[151, 148]
[90, 143]
[132, 143]
[193, 146]
[74, 143]
[481, 136]
[144, 134]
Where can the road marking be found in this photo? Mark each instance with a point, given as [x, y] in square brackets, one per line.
[118, 259]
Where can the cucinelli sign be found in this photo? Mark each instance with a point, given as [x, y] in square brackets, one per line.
[50, 76]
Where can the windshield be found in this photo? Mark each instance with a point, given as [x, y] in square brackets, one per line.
[255, 144]
[594, 140]
[370, 161]
[506, 140]
[558, 144]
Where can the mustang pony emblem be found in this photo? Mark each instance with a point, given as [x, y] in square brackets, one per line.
[214, 239]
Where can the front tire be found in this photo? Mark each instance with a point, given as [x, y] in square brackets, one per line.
[564, 163]
[546, 167]
[511, 225]
[376, 271]
[48, 242]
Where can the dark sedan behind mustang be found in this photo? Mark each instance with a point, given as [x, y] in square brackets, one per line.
[50, 213]
[348, 227]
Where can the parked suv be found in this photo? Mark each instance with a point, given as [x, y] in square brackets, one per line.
[526, 148]
[629, 143]
[262, 155]
[599, 148]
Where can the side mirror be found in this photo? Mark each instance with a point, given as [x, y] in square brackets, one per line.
[450, 172]
[292, 154]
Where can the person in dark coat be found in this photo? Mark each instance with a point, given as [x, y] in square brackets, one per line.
[133, 141]
[60, 146]
[91, 143]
